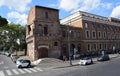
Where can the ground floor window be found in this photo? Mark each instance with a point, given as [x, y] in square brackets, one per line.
[88, 47]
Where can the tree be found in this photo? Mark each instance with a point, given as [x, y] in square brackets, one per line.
[13, 37]
[3, 21]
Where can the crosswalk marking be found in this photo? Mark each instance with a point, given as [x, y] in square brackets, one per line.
[11, 72]
[8, 72]
[33, 70]
[2, 73]
[15, 71]
[38, 69]
[27, 70]
[20, 70]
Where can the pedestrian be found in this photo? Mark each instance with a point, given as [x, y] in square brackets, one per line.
[64, 58]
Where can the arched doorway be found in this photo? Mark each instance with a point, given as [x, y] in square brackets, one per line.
[72, 47]
[64, 51]
[79, 49]
[42, 52]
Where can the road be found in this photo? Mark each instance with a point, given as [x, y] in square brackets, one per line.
[6, 63]
[8, 68]
[107, 68]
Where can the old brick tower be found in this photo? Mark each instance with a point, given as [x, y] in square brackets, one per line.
[42, 33]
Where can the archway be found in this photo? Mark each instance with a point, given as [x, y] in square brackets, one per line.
[72, 47]
[42, 52]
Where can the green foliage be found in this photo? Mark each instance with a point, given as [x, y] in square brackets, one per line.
[3, 21]
[12, 37]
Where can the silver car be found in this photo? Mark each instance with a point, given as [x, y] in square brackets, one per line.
[23, 63]
[86, 61]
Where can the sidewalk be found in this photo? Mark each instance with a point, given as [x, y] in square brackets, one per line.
[63, 64]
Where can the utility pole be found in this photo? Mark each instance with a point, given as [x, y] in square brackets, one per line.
[69, 32]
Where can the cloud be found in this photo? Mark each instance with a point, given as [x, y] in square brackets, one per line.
[106, 5]
[84, 5]
[89, 5]
[19, 18]
[17, 5]
[116, 12]
[69, 5]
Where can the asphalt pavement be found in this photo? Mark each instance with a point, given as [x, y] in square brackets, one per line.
[62, 68]
[64, 64]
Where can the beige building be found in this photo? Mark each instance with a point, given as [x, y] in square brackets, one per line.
[81, 33]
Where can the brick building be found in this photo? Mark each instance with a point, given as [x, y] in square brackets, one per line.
[47, 36]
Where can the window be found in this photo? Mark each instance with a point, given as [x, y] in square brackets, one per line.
[93, 26]
[55, 43]
[29, 29]
[99, 34]
[88, 47]
[79, 34]
[72, 34]
[87, 34]
[93, 34]
[105, 46]
[100, 46]
[63, 34]
[94, 46]
[104, 34]
[45, 30]
[46, 15]
[86, 25]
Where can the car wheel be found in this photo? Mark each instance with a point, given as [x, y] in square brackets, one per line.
[28, 66]
[86, 63]
[20, 66]
[91, 62]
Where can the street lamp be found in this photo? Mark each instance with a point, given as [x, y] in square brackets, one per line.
[69, 31]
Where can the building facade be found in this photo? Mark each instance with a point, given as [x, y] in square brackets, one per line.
[79, 33]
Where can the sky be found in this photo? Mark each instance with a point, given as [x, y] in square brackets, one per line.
[16, 11]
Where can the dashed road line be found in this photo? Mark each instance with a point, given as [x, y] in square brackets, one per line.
[11, 72]
[38, 69]
[27, 70]
[21, 71]
[33, 70]
[2, 73]
[8, 72]
[15, 71]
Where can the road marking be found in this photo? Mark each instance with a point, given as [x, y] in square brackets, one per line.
[38, 69]
[2, 73]
[15, 71]
[33, 70]
[27, 70]
[8, 72]
[20, 70]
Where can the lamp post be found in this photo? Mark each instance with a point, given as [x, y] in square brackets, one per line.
[69, 31]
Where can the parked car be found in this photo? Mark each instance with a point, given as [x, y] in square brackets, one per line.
[12, 56]
[8, 53]
[15, 58]
[103, 58]
[0, 53]
[86, 61]
[23, 63]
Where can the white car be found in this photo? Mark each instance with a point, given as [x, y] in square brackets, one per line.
[23, 63]
[85, 61]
